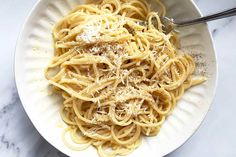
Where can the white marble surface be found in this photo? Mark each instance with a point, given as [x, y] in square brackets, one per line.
[216, 136]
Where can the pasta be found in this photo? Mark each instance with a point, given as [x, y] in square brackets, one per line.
[119, 74]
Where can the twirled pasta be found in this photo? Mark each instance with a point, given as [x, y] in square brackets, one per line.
[119, 74]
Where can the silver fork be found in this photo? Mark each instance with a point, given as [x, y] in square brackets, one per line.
[171, 24]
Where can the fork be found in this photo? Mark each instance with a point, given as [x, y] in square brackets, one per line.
[169, 24]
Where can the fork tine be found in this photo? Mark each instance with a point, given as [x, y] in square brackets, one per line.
[168, 24]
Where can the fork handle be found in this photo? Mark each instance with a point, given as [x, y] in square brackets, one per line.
[220, 15]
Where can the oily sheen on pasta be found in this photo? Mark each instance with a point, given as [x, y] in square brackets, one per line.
[119, 74]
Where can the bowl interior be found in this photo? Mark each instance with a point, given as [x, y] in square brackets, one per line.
[35, 49]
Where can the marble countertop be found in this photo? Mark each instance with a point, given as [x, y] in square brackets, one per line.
[216, 136]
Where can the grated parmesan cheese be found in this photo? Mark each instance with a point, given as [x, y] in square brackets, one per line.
[91, 33]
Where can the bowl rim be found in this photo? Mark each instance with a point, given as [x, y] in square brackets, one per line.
[16, 80]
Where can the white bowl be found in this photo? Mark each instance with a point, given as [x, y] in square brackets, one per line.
[34, 51]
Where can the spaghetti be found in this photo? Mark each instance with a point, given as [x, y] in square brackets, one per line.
[120, 75]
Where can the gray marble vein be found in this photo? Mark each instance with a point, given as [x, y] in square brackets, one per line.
[216, 137]
[227, 22]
